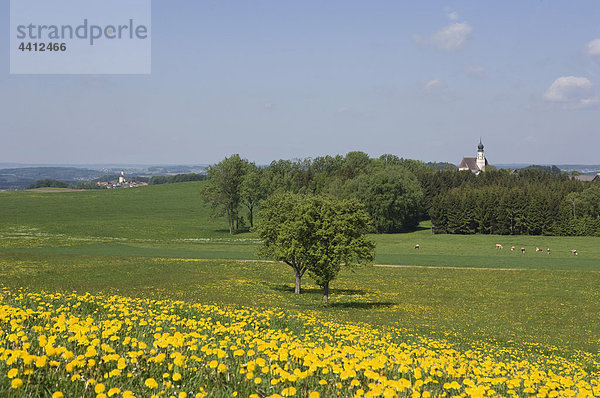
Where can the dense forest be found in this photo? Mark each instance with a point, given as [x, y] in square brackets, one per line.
[399, 193]
[527, 202]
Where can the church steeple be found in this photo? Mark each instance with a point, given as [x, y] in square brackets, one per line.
[481, 161]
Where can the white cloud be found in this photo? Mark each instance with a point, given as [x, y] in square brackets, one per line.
[453, 16]
[433, 85]
[571, 91]
[438, 90]
[593, 48]
[452, 37]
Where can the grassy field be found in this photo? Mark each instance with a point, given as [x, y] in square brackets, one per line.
[171, 220]
[161, 242]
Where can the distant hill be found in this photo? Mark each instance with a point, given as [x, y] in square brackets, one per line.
[22, 177]
[582, 168]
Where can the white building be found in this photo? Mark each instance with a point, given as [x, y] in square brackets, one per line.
[476, 164]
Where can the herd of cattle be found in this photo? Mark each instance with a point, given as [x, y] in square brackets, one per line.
[499, 246]
[537, 249]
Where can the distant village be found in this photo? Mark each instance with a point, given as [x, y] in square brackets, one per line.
[121, 183]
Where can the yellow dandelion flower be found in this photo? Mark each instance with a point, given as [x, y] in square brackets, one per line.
[41, 361]
[222, 368]
[150, 383]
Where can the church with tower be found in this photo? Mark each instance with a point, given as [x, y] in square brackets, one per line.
[476, 164]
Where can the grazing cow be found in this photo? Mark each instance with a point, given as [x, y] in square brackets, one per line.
[548, 250]
[512, 249]
[523, 250]
[417, 246]
[498, 246]
[538, 249]
[574, 252]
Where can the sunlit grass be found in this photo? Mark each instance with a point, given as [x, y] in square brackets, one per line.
[111, 345]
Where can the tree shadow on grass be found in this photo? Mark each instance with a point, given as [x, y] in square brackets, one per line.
[362, 306]
[313, 290]
[242, 231]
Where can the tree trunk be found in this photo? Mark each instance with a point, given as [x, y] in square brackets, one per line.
[230, 222]
[298, 277]
[251, 216]
[326, 293]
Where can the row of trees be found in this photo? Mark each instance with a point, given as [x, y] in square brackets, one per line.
[157, 180]
[387, 186]
[49, 183]
[551, 207]
[398, 193]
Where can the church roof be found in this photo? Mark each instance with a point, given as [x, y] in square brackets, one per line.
[469, 163]
[587, 177]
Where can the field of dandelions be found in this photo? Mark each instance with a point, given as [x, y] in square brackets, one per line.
[54, 344]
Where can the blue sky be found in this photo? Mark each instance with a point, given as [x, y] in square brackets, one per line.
[273, 79]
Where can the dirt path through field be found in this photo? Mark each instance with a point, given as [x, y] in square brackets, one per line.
[390, 265]
[448, 267]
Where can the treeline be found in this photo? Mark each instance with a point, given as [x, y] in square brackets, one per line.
[51, 183]
[156, 180]
[387, 186]
[398, 193]
[528, 202]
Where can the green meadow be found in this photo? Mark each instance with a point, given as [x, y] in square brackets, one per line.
[163, 241]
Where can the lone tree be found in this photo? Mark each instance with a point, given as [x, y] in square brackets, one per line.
[315, 234]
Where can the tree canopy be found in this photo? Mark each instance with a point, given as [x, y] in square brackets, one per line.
[224, 186]
[314, 233]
